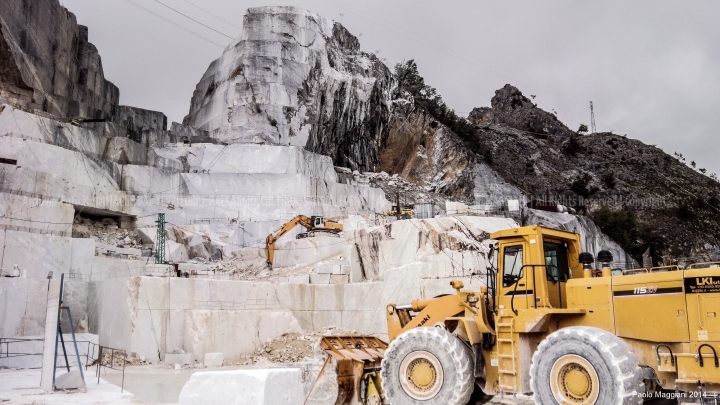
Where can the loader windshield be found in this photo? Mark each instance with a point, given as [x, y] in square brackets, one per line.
[556, 261]
[512, 265]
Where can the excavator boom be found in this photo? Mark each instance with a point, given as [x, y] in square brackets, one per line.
[311, 224]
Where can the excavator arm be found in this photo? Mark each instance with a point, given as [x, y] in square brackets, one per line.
[278, 233]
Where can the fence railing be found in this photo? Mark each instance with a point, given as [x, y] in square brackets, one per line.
[18, 347]
[110, 358]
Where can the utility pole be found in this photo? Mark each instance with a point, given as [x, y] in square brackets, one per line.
[592, 119]
[160, 240]
[397, 201]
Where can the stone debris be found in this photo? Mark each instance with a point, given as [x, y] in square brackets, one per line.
[116, 360]
[106, 231]
[410, 193]
[292, 347]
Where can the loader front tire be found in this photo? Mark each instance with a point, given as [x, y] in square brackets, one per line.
[584, 366]
[428, 365]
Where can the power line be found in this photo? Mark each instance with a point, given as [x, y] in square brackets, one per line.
[444, 49]
[204, 170]
[687, 192]
[190, 18]
[38, 222]
[219, 18]
[175, 24]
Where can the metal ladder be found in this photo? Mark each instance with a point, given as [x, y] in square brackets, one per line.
[508, 375]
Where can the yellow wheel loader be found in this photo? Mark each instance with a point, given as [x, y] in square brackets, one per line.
[405, 212]
[551, 324]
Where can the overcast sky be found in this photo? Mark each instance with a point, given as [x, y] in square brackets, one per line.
[652, 68]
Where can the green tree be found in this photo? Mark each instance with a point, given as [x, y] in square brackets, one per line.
[409, 80]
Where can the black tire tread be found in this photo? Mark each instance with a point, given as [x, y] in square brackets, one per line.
[434, 340]
[617, 354]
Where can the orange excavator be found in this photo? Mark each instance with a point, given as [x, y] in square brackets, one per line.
[312, 224]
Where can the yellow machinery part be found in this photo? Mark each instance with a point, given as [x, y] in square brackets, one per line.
[372, 392]
[356, 357]
[433, 312]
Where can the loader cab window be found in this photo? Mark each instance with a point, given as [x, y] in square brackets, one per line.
[556, 261]
[512, 265]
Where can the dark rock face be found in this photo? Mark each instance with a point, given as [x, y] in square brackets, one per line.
[136, 120]
[47, 63]
[426, 153]
[351, 139]
[511, 108]
[12, 86]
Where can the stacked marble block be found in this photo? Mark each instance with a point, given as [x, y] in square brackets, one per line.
[332, 272]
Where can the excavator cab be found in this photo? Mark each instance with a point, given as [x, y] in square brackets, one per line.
[317, 221]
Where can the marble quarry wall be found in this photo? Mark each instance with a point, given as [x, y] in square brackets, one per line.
[226, 197]
[288, 105]
[152, 316]
[48, 64]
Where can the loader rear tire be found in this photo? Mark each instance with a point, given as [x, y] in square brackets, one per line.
[585, 366]
[430, 366]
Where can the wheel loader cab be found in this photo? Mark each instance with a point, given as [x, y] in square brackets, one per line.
[534, 265]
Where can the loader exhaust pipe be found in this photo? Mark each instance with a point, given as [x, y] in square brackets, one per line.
[605, 258]
[587, 261]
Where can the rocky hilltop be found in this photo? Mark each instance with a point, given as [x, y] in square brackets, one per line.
[642, 196]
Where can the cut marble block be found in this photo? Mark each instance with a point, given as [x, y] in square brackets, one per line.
[339, 279]
[182, 358]
[327, 268]
[299, 279]
[244, 387]
[320, 278]
[213, 359]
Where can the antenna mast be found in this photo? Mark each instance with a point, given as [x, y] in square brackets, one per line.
[592, 119]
